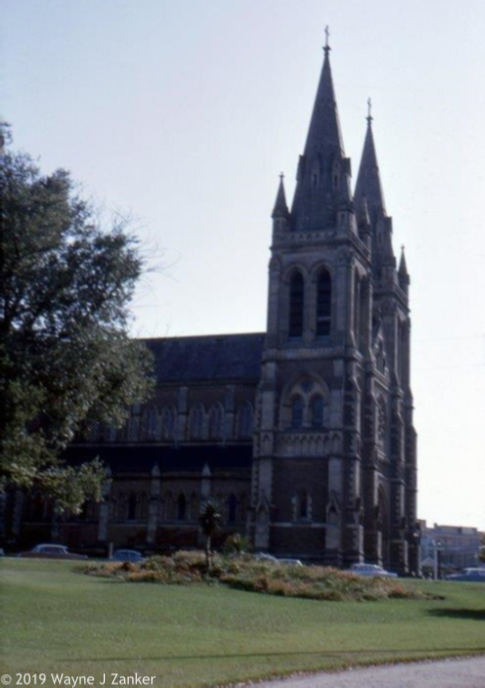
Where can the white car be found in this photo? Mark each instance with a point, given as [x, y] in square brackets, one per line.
[265, 557]
[270, 559]
[371, 571]
[51, 551]
[290, 562]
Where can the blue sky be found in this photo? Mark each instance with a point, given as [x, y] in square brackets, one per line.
[181, 114]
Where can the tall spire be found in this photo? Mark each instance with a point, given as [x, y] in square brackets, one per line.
[324, 127]
[323, 171]
[368, 179]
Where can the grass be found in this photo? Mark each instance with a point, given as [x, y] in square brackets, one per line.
[57, 620]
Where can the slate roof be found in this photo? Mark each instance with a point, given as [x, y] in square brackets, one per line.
[142, 458]
[213, 357]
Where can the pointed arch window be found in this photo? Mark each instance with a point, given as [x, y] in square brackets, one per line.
[169, 419]
[245, 420]
[168, 506]
[317, 408]
[37, 507]
[216, 422]
[151, 421]
[133, 428]
[121, 506]
[297, 413]
[94, 432]
[111, 434]
[303, 510]
[143, 507]
[181, 508]
[193, 510]
[197, 422]
[324, 304]
[132, 506]
[297, 302]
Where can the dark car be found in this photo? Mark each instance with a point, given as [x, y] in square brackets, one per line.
[471, 575]
[130, 555]
[51, 551]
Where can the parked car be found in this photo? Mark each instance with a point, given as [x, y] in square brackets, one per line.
[51, 551]
[290, 561]
[265, 557]
[371, 571]
[473, 575]
[130, 555]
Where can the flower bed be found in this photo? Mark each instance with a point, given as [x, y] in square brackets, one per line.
[246, 573]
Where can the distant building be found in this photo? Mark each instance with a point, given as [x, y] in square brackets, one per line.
[303, 433]
[458, 546]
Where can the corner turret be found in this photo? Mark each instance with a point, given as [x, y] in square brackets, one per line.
[403, 274]
[280, 214]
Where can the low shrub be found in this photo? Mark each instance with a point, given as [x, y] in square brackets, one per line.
[235, 544]
[246, 573]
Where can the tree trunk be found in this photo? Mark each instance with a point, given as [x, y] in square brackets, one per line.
[208, 552]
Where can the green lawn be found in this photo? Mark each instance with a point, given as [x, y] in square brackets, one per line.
[57, 620]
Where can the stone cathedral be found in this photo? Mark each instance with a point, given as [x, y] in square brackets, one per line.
[304, 433]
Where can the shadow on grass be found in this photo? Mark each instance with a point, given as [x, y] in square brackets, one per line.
[305, 653]
[473, 614]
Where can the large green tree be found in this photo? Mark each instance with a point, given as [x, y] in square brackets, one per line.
[66, 359]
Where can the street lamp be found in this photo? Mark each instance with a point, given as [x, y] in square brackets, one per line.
[437, 545]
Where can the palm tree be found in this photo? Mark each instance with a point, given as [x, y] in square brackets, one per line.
[209, 519]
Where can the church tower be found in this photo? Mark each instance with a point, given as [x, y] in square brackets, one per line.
[334, 452]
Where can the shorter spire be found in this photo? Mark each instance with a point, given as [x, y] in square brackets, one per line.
[403, 268]
[280, 209]
[368, 179]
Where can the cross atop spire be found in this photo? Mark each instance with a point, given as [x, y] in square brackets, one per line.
[327, 47]
[369, 111]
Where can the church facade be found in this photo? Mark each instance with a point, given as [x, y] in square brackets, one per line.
[303, 434]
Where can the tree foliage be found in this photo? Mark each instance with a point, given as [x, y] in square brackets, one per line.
[66, 359]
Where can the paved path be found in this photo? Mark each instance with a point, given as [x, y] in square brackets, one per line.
[452, 673]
